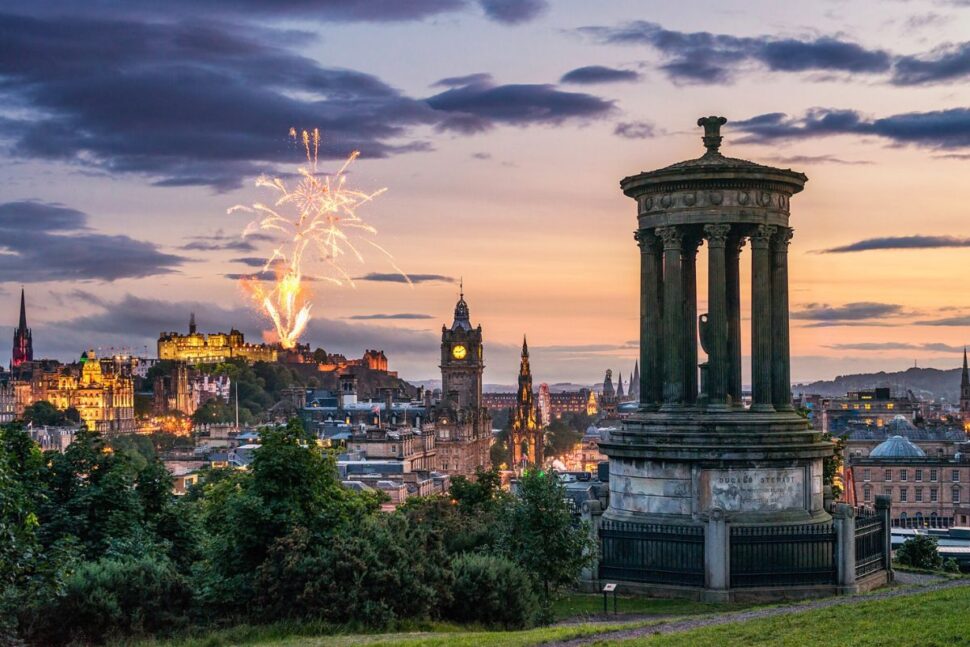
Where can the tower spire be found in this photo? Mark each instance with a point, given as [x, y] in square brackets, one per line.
[23, 311]
[525, 347]
[192, 323]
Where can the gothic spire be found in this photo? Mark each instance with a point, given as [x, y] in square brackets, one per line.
[23, 311]
[965, 377]
[525, 347]
[192, 323]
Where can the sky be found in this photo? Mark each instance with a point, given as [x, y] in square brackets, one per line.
[500, 129]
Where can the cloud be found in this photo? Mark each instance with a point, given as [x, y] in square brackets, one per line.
[942, 64]
[963, 320]
[398, 278]
[479, 105]
[704, 57]
[818, 159]
[940, 129]
[206, 103]
[893, 345]
[50, 242]
[482, 156]
[403, 315]
[513, 12]
[861, 310]
[378, 11]
[599, 74]
[251, 261]
[900, 242]
[634, 130]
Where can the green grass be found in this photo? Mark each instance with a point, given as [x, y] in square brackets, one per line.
[431, 635]
[584, 605]
[937, 619]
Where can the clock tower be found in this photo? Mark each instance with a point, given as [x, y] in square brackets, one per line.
[462, 361]
[463, 428]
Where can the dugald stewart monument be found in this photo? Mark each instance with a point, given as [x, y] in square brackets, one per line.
[709, 498]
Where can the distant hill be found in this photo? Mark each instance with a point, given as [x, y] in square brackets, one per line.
[927, 383]
[508, 388]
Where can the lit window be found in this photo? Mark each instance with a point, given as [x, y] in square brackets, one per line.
[890, 405]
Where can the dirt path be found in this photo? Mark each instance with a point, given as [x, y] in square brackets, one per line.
[753, 614]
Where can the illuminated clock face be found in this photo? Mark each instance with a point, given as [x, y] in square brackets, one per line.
[459, 351]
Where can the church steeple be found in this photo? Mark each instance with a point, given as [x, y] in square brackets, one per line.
[965, 389]
[462, 319]
[23, 345]
[192, 327]
[526, 437]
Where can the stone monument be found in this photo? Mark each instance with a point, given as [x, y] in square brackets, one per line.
[694, 464]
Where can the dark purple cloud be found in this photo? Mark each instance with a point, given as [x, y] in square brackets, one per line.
[206, 103]
[941, 129]
[946, 63]
[894, 345]
[634, 130]
[402, 315]
[480, 105]
[50, 242]
[818, 159]
[399, 278]
[960, 321]
[900, 242]
[591, 74]
[848, 312]
[513, 12]
[705, 57]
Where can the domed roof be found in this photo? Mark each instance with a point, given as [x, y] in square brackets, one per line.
[897, 447]
[899, 424]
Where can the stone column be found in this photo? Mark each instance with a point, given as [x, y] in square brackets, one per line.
[651, 303]
[761, 318]
[717, 316]
[688, 264]
[884, 510]
[844, 520]
[717, 557]
[733, 283]
[781, 359]
[673, 318]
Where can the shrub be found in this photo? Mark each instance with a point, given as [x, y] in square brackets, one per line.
[920, 552]
[492, 590]
[116, 597]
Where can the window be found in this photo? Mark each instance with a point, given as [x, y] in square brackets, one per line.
[888, 491]
[903, 475]
[904, 495]
[865, 474]
[919, 495]
[867, 494]
[934, 497]
[933, 475]
[956, 494]
[890, 406]
[955, 476]
[919, 475]
[889, 475]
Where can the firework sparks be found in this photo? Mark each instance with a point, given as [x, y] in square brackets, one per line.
[315, 224]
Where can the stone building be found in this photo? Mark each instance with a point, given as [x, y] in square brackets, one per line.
[462, 423]
[102, 391]
[693, 467]
[199, 348]
[926, 490]
[873, 407]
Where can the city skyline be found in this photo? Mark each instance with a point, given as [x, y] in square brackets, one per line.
[115, 220]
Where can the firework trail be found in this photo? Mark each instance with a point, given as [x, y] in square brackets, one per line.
[314, 223]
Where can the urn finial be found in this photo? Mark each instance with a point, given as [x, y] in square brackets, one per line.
[712, 132]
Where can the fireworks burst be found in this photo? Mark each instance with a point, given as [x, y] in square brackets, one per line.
[315, 223]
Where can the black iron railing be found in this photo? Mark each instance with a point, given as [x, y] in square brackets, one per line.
[782, 555]
[870, 542]
[655, 553]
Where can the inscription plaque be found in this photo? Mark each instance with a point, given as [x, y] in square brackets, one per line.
[753, 490]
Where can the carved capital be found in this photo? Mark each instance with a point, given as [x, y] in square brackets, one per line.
[716, 235]
[671, 237]
[761, 237]
[783, 238]
[646, 240]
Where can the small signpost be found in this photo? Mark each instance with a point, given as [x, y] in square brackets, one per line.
[609, 588]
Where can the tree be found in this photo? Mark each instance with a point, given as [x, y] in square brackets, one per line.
[43, 413]
[832, 465]
[540, 533]
[920, 551]
[480, 495]
[561, 438]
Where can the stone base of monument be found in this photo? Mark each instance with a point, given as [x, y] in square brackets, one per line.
[729, 506]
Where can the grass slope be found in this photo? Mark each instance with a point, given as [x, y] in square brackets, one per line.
[935, 619]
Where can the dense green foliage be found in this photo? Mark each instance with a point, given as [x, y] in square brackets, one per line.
[42, 413]
[96, 547]
[921, 551]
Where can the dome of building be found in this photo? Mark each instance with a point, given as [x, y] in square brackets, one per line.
[897, 447]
